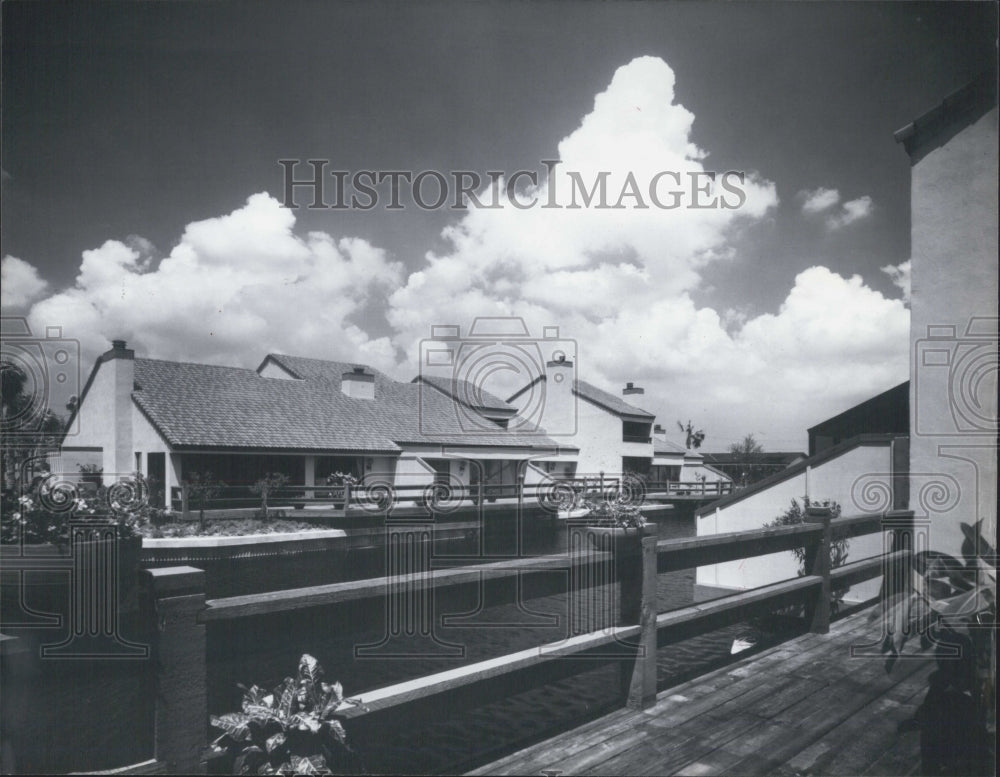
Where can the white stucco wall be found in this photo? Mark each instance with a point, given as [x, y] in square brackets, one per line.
[841, 479]
[953, 455]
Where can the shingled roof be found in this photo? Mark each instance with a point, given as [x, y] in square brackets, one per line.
[609, 401]
[208, 406]
[466, 393]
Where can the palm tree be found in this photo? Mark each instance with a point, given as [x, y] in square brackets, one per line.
[694, 438]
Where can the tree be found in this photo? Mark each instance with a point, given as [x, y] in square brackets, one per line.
[748, 458]
[26, 433]
[693, 438]
[202, 487]
[266, 486]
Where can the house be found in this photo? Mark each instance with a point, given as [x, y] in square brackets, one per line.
[307, 418]
[886, 413]
[952, 150]
[612, 435]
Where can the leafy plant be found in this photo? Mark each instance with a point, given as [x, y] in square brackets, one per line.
[796, 515]
[951, 605]
[290, 730]
[266, 486]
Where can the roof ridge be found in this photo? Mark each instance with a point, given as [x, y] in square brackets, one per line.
[193, 364]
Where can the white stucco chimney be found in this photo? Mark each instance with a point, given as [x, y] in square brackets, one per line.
[120, 360]
[559, 414]
[358, 383]
[631, 388]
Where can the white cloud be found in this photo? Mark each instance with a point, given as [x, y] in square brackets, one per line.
[818, 200]
[21, 284]
[852, 211]
[232, 289]
[900, 276]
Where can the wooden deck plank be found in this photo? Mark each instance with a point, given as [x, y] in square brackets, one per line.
[802, 707]
[679, 704]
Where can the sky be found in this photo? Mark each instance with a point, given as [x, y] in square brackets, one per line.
[143, 196]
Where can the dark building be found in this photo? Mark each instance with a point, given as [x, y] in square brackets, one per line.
[887, 413]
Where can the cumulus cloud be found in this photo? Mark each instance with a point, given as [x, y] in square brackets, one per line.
[21, 283]
[233, 288]
[620, 281]
[853, 210]
[818, 200]
[900, 276]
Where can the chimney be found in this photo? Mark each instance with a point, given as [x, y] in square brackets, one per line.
[659, 431]
[358, 383]
[558, 412]
[120, 360]
[631, 388]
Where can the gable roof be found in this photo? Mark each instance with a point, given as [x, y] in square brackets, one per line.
[599, 397]
[208, 406]
[467, 393]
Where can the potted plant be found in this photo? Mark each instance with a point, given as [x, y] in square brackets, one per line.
[290, 730]
[952, 607]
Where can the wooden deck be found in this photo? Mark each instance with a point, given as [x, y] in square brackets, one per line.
[805, 707]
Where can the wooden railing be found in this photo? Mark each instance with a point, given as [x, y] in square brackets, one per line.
[379, 496]
[697, 488]
[629, 639]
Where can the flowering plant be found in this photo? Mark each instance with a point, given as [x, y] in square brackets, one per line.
[617, 511]
[42, 514]
[341, 479]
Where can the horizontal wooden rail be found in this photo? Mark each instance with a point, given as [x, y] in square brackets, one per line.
[336, 593]
[697, 551]
[687, 622]
[592, 647]
[866, 569]
[611, 644]
[858, 525]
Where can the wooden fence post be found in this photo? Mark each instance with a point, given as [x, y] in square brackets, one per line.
[818, 563]
[642, 681]
[176, 595]
[898, 577]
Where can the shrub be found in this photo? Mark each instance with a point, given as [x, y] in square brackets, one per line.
[291, 730]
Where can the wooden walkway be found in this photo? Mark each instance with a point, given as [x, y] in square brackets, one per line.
[805, 707]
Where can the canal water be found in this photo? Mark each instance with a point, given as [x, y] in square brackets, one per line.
[92, 714]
